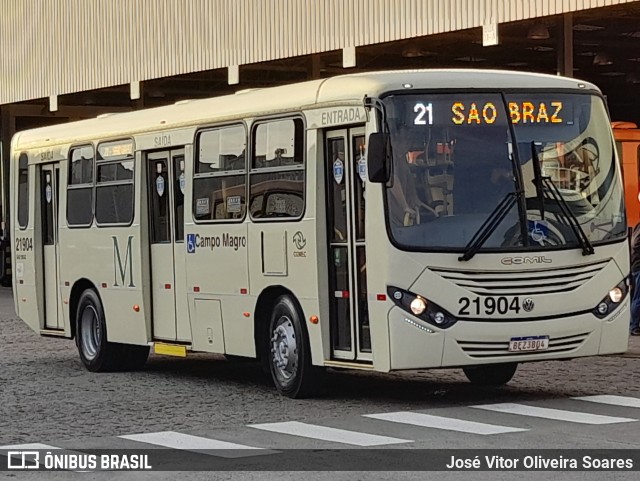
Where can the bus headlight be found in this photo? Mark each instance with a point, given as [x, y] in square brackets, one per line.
[418, 306]
[616, 295]
[421, 307]
[612, 300]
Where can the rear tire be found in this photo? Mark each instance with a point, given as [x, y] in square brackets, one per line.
[288, 351]
[96, 353]
[491, 374]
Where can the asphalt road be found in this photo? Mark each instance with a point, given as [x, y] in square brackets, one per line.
[48, 399]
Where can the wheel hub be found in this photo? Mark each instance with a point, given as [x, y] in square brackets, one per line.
[284, 349]
[90, 332]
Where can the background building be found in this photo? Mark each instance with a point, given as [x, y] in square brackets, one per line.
[63, 60]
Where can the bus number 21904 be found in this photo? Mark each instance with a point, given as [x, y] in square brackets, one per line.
[488, 306]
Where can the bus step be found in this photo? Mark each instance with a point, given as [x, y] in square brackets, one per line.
[170, 349]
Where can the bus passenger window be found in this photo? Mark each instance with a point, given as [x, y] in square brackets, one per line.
[23, 191]
[80, 187]
[114, 183]
[219, 182]
[277, 175]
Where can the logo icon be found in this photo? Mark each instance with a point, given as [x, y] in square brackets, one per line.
[160, 185]
[299, 240]
[362, 169]
[528, 304]
[191, 243]
[539, 231]
[338, 171]
[23, 459]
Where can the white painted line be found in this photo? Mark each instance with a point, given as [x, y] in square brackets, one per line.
[629, 402]
[440, 422]
[27, 446]
[557, 414]
[328, 434]
[186, 442]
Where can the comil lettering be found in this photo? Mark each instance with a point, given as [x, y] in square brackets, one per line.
[511, 261]
[487, 113]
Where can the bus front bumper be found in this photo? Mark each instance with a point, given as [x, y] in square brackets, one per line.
[415, 344]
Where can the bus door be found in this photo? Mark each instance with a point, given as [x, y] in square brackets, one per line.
[165, 188]
[345, 187]
[49, 188]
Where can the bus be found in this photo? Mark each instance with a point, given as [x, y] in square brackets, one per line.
[376, 221]
[627, 136]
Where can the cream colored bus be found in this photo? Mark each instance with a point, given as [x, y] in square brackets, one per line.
[378, 221]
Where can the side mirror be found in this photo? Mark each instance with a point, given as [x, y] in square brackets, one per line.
[378, 158]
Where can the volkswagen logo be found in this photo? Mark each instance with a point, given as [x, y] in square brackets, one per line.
[528, 304]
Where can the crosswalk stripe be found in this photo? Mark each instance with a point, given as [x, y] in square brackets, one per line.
[187, 442]
[557, 414]
[324, 433]
[441, 422]
[629, 402]
[18, 447]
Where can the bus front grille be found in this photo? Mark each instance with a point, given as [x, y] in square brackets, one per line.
[483, 349]
[522, 282]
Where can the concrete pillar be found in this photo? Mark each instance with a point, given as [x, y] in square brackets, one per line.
[565, 45]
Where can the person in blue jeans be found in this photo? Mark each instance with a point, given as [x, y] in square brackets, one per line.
[635, 274]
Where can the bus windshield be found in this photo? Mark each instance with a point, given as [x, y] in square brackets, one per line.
[455, 158]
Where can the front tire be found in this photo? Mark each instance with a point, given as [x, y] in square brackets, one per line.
[288, 351]
[491, 374]
[96, 353]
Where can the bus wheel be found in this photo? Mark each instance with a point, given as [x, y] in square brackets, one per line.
[491, 374]
[96, 353]
[288, 351]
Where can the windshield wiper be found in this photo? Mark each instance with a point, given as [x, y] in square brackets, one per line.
[545, 181]
[537, 177]
[578, 231]
[489, 226]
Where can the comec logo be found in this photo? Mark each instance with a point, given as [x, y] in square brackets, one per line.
[513, 261]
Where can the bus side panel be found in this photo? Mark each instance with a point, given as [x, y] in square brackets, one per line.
[216, 264]
[275, 259]
[110, 258]
[316, 250]
[381, 271]
[23, 258]
[292, 254]
[206, 324]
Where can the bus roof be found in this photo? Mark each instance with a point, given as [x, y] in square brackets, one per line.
[349, 88]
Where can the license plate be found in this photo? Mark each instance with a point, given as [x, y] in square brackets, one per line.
[530, 343]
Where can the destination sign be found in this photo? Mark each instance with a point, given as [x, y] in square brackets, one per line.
[117, 149]
[472, 112]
